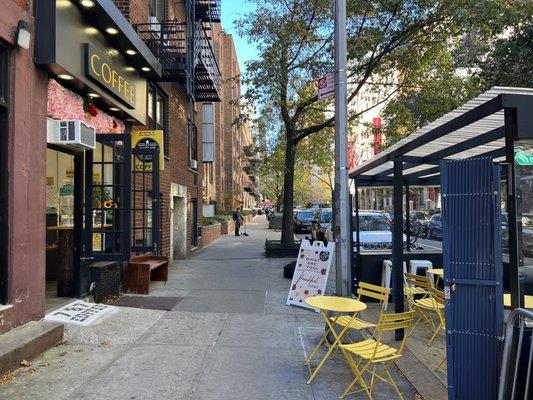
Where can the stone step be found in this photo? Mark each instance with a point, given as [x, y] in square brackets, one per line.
[27, 341]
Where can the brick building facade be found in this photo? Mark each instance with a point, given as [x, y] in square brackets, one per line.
[226, 183]
[22, 193]
[181, 180]
[43, 85]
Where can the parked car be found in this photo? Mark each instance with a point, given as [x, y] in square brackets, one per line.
[303, 220]
[434, 228]
[374, 231]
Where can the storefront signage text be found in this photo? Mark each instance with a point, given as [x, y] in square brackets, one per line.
[311, 272]
[102, 71]
[147, 140]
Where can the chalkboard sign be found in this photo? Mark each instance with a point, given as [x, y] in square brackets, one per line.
[311, 272]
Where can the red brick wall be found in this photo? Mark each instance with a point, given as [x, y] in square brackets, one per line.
[135, 11]
[26, 166]
[177, 164]
[25, 4]
[210, 233]
[228, 227]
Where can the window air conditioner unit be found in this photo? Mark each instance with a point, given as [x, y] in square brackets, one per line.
[71, 133]
[194, 164]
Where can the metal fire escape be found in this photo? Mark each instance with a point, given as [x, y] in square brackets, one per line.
[185, 49]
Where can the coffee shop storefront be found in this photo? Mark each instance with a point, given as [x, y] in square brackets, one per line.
[98, 70]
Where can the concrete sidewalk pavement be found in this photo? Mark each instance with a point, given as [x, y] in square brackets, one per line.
[231, 337]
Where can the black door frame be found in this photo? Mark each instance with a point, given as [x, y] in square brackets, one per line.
[194, 222]
[149, 161]
[121, 172]
[4, 205]
[78, 208]
[4, 184]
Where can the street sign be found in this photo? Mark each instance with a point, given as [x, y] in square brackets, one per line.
[326, 86]
[311, 272]
[523, 157]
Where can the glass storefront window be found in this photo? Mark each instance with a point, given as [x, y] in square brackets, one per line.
[59, 188]
[524, 187]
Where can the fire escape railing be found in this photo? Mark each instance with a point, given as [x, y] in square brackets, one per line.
[207, 72]
[167, 40]
[208, 10]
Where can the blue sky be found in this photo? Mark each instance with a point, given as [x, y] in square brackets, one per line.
[232, 10]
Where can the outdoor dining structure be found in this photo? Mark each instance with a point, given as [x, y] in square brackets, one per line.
[481, 156]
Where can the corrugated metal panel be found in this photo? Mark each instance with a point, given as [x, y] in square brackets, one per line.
[477, 128]
[473, 276]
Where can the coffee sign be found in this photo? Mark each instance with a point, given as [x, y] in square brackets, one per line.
[99, 69]
[311, 272]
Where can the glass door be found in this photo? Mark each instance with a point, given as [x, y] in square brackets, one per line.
[107, 216]
[145, 201]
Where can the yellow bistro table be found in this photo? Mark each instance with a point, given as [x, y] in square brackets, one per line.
[437, 273]
[339, 305]
[528, 301]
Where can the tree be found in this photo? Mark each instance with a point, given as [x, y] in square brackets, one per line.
[439, 90]
[294, 39]
[510, 63]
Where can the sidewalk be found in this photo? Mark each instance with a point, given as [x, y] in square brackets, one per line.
[231, 337]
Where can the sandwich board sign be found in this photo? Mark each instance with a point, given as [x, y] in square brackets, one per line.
[326, 86]
[311, 272]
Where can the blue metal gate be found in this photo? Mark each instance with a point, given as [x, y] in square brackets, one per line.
[473, 276]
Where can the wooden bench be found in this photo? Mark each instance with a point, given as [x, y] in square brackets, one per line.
[143, 269]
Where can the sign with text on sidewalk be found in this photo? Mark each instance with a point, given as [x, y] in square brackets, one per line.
[79, 313]
[311, 272]
[326, 86]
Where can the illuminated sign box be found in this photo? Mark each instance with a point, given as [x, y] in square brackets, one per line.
[102, 71]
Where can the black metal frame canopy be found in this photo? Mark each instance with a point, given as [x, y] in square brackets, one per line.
[486, 126]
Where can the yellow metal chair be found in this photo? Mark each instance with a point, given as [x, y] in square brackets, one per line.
[425, 309]
[364, 290]
[416, 285]
[371, 352]
[438, 302]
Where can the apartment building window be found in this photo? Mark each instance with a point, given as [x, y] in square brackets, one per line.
[158, 114]
[156, 8]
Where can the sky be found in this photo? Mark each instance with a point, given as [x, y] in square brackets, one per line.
[232, 10]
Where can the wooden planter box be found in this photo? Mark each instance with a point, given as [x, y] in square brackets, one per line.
[273, 249]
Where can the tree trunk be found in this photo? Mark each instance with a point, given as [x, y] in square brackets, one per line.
[287, 234]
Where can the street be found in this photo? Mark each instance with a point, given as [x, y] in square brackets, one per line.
[231, 337]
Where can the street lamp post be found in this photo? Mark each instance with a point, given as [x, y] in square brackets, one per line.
[341, 209]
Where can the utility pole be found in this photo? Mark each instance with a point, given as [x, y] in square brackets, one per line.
[342, 213]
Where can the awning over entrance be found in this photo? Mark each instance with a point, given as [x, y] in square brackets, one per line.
[477, 129]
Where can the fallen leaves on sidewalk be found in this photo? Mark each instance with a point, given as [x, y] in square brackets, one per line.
[25, 363]
[6, 378]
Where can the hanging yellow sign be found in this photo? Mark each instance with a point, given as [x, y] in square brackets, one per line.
[147, 140]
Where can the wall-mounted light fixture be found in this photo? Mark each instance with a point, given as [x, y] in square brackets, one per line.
[23, 34]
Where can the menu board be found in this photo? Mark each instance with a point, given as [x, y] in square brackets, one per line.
[311, 272]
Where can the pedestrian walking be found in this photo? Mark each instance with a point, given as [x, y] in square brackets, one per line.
[238, 219]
